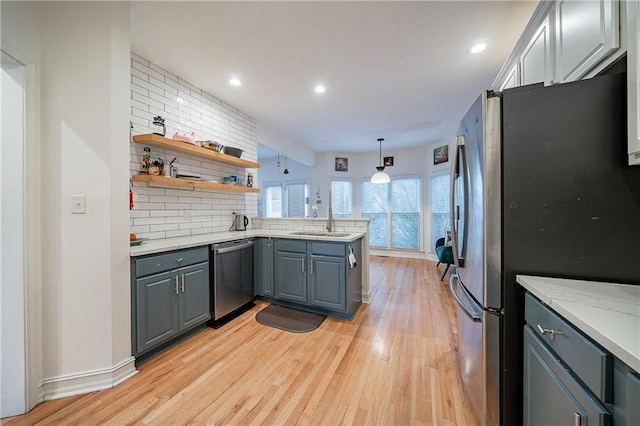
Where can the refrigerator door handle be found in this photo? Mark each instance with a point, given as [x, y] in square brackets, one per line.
[474, 315]
[454, 210]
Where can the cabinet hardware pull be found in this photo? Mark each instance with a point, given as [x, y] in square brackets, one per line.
[302, 261]
[177, 292]
[577, 419]
[183, 283]
[311, 266]
[551, 332]
[180, 260]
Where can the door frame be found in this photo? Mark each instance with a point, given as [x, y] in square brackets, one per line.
[32, 219]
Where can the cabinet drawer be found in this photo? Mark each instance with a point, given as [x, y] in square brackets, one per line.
[163, 262]
[295, 246]
[591, 363]
[329, 249]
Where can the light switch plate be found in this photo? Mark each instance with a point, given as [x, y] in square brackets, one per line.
[79, 204]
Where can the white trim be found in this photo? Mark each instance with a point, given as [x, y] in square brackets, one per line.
[406, 254]
[88, 381]
[32, 227]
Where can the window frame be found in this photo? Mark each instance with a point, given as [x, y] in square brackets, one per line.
[431, 205]
[389, 212]
[351, 195]
[284, 201]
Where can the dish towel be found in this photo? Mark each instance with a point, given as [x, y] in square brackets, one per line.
[352, 258]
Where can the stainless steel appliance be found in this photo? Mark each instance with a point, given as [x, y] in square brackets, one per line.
[232, 277]
[239, 223]
[539, 187]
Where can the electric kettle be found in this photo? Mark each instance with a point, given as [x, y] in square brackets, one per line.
[240, 222]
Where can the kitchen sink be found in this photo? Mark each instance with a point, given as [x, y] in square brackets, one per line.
[321, 234]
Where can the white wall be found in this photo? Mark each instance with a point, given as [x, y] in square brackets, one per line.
[417, 161]
[81, 50]
[174, 212]
[13, 386]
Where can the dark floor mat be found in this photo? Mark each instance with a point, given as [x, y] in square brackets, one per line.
[289, 319]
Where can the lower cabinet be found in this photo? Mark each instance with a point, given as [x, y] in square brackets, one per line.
[170, 296]
[291, 276]
[263, 267]
[569, 379]
[552, 396]
[328, 282]
[313, 275]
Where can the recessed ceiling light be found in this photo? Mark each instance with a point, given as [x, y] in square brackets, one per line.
[320, 89]
[477, 48]
[235, 82]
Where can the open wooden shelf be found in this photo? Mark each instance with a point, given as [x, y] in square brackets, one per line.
[190, 183]
[187, 148]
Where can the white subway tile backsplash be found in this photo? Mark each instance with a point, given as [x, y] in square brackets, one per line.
[172, 212]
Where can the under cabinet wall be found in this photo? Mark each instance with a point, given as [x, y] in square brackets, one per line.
[165, 212]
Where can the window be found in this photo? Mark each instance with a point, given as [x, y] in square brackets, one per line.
[273, 201]
[341, 198]
[374, 207]
[405, 213]
[296, 194]
[288, 200]
[394, 210]
[439, 207]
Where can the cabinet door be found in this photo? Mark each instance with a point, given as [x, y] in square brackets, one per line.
[633, 80]
[536, 62]
[263, 267]
[512, 79]
[156, 309]
[194, 295]
[291, 276]
[586, 33]
[328, 282]
[552, 396]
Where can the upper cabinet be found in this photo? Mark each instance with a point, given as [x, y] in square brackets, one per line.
[569, 40]
[633, 79]
[586, 32]
[536, 62]
[512, 79]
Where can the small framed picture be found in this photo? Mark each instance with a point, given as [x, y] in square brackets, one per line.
[441, 154]
[388, 161]
[342, 164]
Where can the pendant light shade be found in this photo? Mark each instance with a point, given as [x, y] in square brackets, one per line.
[380, 176]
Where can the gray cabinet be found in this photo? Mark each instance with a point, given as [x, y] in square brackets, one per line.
[263, 267]
[552, 396]
[569, 379]
[170, 296]
[311, 275]
[291, 276]
[328, 281]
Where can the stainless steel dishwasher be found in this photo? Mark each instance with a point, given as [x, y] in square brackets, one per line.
[232, 277]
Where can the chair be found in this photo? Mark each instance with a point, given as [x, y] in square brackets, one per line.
[445, 255]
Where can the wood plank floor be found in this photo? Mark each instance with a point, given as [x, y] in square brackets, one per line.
[394, 364]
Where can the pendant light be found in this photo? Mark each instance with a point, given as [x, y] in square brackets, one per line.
[286, 170]
[278, 163]
[380, 176]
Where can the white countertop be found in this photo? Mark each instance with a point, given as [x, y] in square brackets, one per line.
[158, 246]
[609, 313]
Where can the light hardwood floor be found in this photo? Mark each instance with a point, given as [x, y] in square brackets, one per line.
[394, 364]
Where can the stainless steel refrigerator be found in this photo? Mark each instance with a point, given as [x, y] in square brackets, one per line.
[539, 187]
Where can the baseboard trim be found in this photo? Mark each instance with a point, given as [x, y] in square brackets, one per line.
[404, 254]
[88, 381]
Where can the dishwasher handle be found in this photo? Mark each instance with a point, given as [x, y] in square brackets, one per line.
[233, 248]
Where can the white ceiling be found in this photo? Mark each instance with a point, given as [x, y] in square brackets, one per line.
[397, 70]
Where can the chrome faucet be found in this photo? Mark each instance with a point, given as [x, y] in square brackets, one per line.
[330, 226]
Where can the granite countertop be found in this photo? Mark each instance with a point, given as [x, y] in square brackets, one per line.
[168, 244]
[609, 313]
